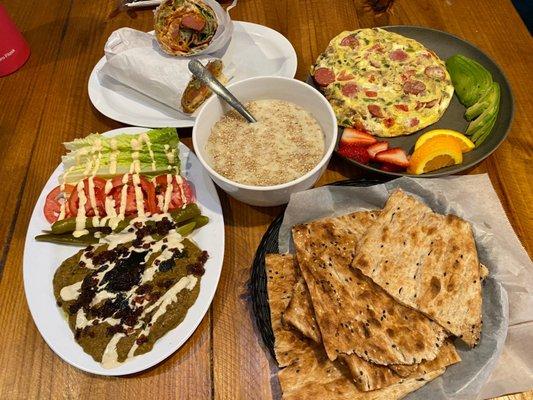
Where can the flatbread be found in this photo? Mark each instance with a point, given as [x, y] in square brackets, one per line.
[314, 376]
[300, 315]
[281, 277]
[426, 261]
[354, 314]
[447, 356]
[366, 375]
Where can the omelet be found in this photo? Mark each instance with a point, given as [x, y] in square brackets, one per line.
[383, 83]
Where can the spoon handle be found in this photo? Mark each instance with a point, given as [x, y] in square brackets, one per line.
[203, 74]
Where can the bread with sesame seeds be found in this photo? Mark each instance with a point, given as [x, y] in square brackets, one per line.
[354, 314]
[309, 372]
[367, 376]
[281, 277]
[426, 261]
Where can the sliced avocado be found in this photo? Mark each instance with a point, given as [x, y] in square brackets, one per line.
[484, 102]
[484, 129]
[470, 79]
[483, 124]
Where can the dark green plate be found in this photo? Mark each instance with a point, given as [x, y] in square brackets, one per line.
[446, 45]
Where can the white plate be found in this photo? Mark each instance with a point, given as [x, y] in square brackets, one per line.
[42, 259]
[254, 50]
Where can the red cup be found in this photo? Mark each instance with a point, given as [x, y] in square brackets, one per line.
[14, 50]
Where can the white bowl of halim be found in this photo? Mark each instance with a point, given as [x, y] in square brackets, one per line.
[285, 152]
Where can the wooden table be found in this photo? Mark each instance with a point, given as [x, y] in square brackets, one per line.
[46, 103]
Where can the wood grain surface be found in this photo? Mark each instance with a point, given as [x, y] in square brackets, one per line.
[46, 103]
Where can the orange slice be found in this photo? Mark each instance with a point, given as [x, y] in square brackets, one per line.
[436, 153]
[465, 143]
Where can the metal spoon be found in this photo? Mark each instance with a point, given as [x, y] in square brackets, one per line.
[203, 74]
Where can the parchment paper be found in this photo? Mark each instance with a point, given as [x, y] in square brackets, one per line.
[135, 59]
[482, 373]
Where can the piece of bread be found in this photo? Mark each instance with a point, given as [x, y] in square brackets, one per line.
[354, 314]
[426, 261]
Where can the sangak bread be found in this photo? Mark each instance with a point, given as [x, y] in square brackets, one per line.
[281, 277]
[426, 261]
[366, 375]
[354, 314]
[300, 314]
[447, 356]
[314, 377]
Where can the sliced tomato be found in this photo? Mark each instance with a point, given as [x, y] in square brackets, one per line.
[182, 192]
[54, 200]
[148, 193]
[99, 198]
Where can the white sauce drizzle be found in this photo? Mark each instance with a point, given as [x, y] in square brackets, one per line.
[144, 137]
[139, 197]
[110, 356]
[179, 181]
[92, 198]
[113, 157]
[71, 292]
[187, 282]
[168, 194]
[80, 216]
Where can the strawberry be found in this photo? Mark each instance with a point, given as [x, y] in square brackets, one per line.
[356, 137]
[391, 167]
[375, 148]
[356, 153]
[394, 156]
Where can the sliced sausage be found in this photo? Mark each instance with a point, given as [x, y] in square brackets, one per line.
[377, 48]
[413, 122]
[343, 76]
[370, 93]
[350, 90]
[435, 72]
[375, 110]
[398, 55]
[414, 87]
[193, 21]
[402, 107]
[324, 76]
[388, 122]
[351, 41]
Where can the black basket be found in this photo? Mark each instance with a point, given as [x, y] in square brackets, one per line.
[258, 282]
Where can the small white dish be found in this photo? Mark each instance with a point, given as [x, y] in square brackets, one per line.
[42, 259]
[267, 87]
[254, 50]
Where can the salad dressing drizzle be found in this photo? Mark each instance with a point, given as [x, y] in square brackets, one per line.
[179, 181]
[92, 157]
[92, 198]
[113, 157]
[80, 216]
[146, 139]
[168, 193]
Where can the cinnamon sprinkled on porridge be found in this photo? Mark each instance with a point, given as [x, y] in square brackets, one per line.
[285, 143]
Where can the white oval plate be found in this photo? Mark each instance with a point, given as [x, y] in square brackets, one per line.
[254, 50]
[42, 259]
